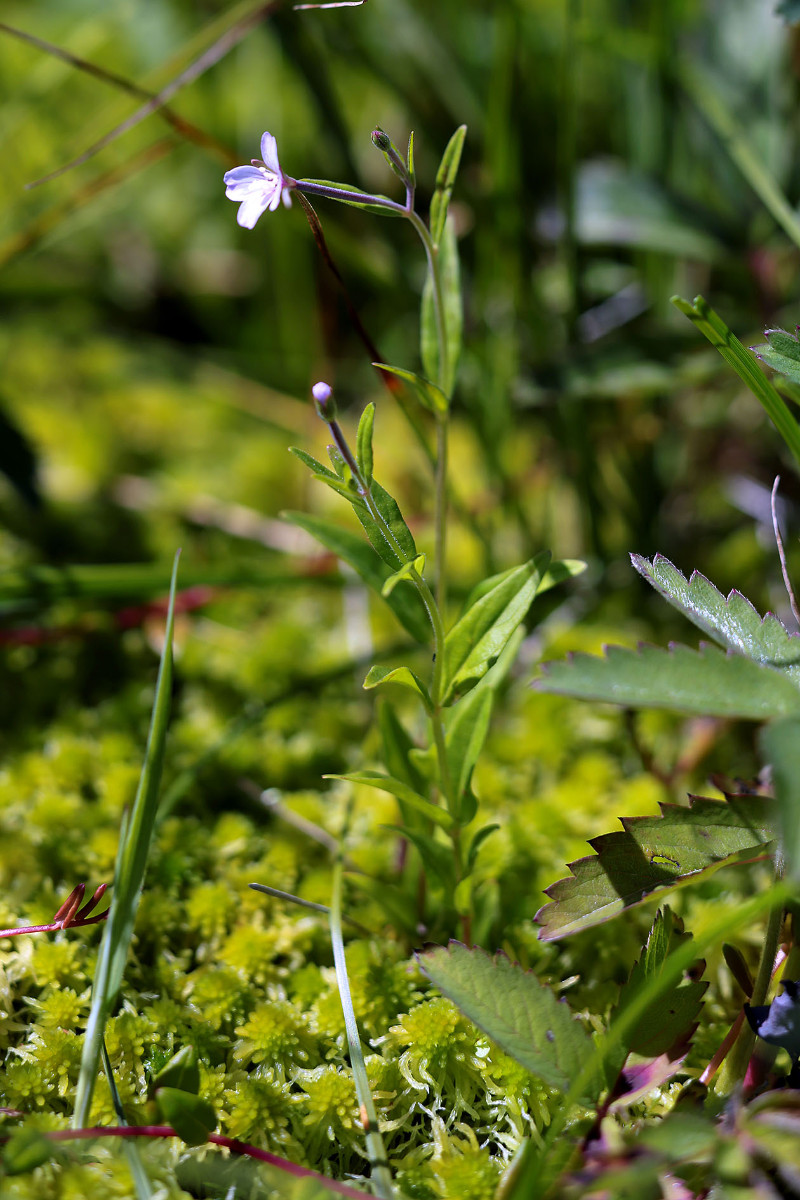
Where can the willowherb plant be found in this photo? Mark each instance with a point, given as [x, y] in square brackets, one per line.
[471, 658]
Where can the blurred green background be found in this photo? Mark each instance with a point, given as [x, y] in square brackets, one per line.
[157, 359]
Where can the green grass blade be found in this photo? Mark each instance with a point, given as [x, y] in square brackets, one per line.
[737, 356]
[128, 876]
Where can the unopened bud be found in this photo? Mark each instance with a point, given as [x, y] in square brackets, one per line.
[324, 401]
[382, 141]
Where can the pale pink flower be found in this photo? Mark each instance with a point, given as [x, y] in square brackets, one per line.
[260, 186]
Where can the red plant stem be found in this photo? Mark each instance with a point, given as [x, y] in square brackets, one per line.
[54, 927]
[720, 1056]
[218, 1139]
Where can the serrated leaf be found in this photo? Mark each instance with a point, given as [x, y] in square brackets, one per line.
[450, 278]
[780, 747]
[401, 675]
[385, 783]
[192, 1117]
[389, 510]
[405, 574]
[667, 1024]
[364, 456]
[479, 636]
[515, 1010]
[404, 603]
[706, 682]
[445, 182]
[656, 855]
[732, 621]
[429, 395]
[466, 734]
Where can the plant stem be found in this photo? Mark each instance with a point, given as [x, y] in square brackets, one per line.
[440, 512]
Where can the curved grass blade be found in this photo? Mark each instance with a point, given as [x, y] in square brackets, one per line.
[132, 856]
[217, 50]
[711, 325]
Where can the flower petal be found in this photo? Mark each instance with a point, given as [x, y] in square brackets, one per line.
[251, 209]
[241, 175]
[269, 153]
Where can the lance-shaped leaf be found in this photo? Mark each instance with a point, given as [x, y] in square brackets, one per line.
[445, 182]
[668, 1023]
[402, 791]
[780, 747]
[406, 574]
[401, 675]
[515, 1010]
[466, 733]
[404, 602]
[479, 636]
[429, 395]
[732, 621]
[656, 855]
[364, 443]
[450, 279]
[706, 682]
[389, 510]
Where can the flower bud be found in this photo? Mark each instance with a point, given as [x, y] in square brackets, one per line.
[382, 142]
[324, 401]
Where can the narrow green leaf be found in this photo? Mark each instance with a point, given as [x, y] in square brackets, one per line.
[732, 621]
[437, 859]
[389, 509]
[707, 681]
[780, 747]
[313, 464]
[666, 1024]
[344, 489]
[404, 603]
[445, 182]
[450, 275]
[714, 328]
[480, 634]
[558, 572]
[476, 843]
[466, 734]
[429, 395]
[404, 575]
[192, 1117]
[656, 855]
[364, 443]
[515, 1010]
[397, 745]
[402, 675]
[412, 175]
[132, 854]
[402, 791]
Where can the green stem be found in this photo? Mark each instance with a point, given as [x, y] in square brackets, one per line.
[440, 514]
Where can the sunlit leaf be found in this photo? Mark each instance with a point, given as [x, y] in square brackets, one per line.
[450, 275]
[731, 620]
[445, 182]
[513, 1008]
[654, 856]
[707, 681]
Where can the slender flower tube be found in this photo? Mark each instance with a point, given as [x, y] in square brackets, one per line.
[259, 187]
